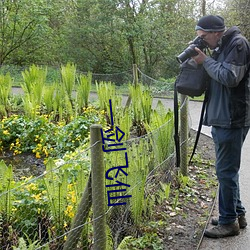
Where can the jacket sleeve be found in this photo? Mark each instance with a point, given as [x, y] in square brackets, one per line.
[232, 69]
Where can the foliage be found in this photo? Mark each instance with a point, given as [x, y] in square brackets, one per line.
[83, 90]
[56, 184]
[138, 171]
[68, 74]
[48, 98]
[57, 98]
[23, 28]
[6, 184]
[147, 241]
[161, 121]
[22, 245]
[34, 81]
[236, 13]
[107, 91]
[51, 200]
[124, 119]
[106, 36]
[46, 205]
[30, 204]
[43, 137]
[5, 90]
[141, 99]
[164, 192]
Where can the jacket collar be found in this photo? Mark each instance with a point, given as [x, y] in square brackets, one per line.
[231, 32]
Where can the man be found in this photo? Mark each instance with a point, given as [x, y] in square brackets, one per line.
[228, 112]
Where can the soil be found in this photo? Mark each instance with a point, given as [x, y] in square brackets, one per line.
[188, 221]
[25, 164]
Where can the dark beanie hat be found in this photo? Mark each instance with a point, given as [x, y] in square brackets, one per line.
[211, 23]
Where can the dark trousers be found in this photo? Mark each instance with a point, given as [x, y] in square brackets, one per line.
[228, 145]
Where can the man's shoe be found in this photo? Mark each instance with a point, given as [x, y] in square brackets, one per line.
[241, 219]
[221, 231]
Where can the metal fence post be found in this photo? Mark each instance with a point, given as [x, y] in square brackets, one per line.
[184, 135]
[98, 188]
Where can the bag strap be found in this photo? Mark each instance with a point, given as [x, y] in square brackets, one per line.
[199, 127]
[176, 126]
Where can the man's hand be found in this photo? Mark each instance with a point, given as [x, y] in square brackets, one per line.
[200, 58]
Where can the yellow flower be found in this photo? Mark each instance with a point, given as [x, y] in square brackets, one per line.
[73, 199]
[17, 152]
[31, 187]
[14, 209]
[45, 151]
[38, 156]
[6, 132]
[69, 211]
[103, 112]
[37, 196]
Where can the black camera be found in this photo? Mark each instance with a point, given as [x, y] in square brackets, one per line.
[190, 51]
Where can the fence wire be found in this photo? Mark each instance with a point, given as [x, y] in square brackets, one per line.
[158, 87]
[45, 210]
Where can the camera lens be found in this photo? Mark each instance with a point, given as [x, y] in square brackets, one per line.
[190, 51]
[187, 53]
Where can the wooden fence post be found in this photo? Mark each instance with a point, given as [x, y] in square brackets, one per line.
[135, 74]
[184, 135]
[80, 218]
[98, 188]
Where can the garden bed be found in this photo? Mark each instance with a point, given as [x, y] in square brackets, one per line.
[178, 221]
[165, 210]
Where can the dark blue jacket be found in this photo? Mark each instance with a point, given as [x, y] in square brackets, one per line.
[229, 90]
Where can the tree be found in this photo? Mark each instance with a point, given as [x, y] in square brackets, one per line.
[237, 13]
[108, 36]
[20, 22]
[95, 41]
[102, 36]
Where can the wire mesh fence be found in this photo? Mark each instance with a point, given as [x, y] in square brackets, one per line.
[57, 209]
[159, 87]
[49, 209]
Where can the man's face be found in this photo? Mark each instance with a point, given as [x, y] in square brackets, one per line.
[211, 38]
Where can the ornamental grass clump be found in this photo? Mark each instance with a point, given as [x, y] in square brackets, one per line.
[5, 91]
[33, 85]
[83, 91]
[68, 75]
